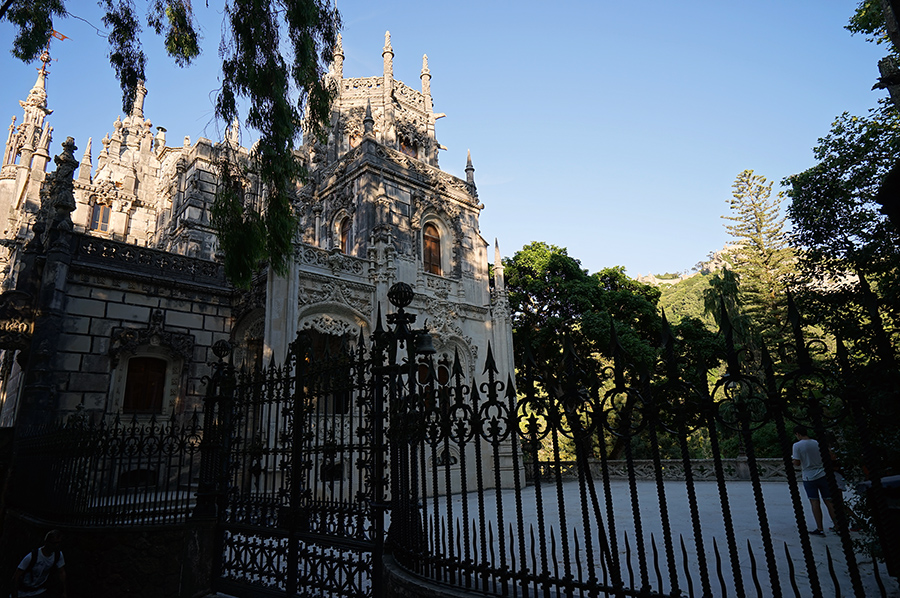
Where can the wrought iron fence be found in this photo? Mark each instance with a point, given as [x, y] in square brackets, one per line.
[298, 482]
[483, 484]
[734, 468]
[109, 471]
[465, 513]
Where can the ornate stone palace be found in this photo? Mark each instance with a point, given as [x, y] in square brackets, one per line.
[112, 304]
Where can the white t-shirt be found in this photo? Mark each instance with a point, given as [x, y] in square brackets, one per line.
[37, 576]
[807, 452]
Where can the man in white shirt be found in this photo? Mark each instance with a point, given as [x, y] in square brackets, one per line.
[33, 573]
[807, 455]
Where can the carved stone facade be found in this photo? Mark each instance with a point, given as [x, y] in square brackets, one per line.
[143, 279]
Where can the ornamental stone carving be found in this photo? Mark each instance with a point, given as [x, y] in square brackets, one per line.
[413, 128]
[443, 324]
[329, 325]
[126, 341]
[440, 286]
[352, 121]
[339, 293]
[16, 320]
[333, 260]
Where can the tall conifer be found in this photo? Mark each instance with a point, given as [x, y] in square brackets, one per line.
[762, 258]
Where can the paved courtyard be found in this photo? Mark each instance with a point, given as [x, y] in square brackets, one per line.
[779, 513]
[778, 509]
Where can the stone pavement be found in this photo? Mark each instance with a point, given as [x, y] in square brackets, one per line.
[778, 511]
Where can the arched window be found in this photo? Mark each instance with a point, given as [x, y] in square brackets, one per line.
[431, 249]
[100, 218]
[144, 385]
[345, 235]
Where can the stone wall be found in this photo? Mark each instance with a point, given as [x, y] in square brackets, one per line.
[115, 309]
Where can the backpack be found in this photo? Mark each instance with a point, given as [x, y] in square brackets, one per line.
[34, 556]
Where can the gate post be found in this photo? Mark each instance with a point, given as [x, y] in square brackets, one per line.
[405, 421]
[216, 431]
[298, 352]
[379, 506]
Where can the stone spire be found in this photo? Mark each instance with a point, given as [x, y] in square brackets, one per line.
[499, 282]
[84, 171]
[426, 81]
[387, 53]
[233, 133]
[338, 60]
[470, 170]
[387, 136]
[33, 134]
[35, 104]
[137, 110]
[9, 153]
[368, 121]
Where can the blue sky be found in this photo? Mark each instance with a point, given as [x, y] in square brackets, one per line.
[614, 129]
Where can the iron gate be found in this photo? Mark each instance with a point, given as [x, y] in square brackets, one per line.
[297, 484]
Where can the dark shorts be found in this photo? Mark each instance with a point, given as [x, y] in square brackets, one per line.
[816, 487]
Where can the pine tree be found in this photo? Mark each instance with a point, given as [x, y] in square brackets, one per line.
[761, 258]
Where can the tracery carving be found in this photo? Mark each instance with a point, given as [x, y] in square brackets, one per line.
[334, 260]
[411, 97]
[413, 128]
[344, 199]
[339, 293]
[141, 259]
[440, 286]
[443, 324]
[352, 121]
[329, 325]
[500, 305]
[361, 85]
[128, 340]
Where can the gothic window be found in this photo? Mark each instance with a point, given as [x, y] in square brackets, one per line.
[345, 235]
[431, 249]
[100, 218]
[145, 385]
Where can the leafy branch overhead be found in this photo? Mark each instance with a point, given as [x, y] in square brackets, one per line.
[273, 56]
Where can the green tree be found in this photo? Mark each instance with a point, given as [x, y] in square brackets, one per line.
[762, 260]
[850, 251]
[551, 296]
[273, 55]
[555, 302]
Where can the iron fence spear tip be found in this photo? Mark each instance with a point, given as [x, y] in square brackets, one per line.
[489, 364]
